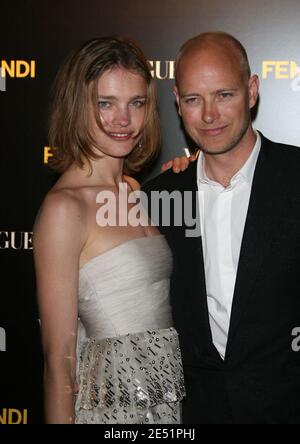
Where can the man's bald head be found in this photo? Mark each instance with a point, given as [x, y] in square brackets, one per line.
[214, 41]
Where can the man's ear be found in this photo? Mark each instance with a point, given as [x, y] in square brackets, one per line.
[176, 94]
[253, 88]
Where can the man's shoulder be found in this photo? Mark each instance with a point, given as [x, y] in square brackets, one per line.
[283, 158]
[281, 151]
[170, 181]
[164, 180]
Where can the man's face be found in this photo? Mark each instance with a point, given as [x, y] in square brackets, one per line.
[214, 98]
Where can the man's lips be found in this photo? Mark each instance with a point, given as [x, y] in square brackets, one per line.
[213, 131]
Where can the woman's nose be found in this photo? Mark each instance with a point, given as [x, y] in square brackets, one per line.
[121, 117]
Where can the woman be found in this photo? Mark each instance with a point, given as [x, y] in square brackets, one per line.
[115, 276]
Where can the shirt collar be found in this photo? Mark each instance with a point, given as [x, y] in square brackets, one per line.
[246, 172]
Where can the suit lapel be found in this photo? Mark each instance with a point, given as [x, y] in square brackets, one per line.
[192, 251]
[255, 241]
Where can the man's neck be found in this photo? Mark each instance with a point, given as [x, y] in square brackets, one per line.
[223, 167]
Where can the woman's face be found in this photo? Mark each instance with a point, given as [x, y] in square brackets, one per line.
[122, 97]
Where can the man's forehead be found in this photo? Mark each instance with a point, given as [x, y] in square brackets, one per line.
[209, 64]
[220, 55]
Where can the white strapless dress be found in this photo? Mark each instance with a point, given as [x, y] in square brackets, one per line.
[129, 361]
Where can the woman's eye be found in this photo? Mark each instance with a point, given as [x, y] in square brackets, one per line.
[138, 103]
[103, 104]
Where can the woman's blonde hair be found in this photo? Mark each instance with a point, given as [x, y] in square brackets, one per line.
[76, 85]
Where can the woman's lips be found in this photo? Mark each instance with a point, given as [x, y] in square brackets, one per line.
[120, 137]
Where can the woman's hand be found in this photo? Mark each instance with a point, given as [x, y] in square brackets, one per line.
[178, 164]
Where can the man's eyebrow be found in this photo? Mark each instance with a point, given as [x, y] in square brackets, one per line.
[225, 90]
[218, 91]
[190, 94]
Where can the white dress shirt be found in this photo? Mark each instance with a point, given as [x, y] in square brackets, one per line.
[223, 213]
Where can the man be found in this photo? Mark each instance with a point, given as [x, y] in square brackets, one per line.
[235, 290]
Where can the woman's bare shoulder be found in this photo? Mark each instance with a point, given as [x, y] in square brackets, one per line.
[133, 183]
[61, 208]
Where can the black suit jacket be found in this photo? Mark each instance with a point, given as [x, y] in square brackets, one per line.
[259, 380]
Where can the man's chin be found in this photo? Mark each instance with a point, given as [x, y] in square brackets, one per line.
[216, 151]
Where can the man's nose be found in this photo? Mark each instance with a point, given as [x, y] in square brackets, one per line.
[210, 113]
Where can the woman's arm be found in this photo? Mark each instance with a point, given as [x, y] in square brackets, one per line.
[59, 236]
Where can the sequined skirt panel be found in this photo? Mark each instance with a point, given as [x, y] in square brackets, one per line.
[131, 379]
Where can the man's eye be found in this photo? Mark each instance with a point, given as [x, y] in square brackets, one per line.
[191, 100]
[225, 95]
[103, 105]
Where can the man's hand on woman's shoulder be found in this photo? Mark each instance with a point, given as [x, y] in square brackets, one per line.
[178, 164]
